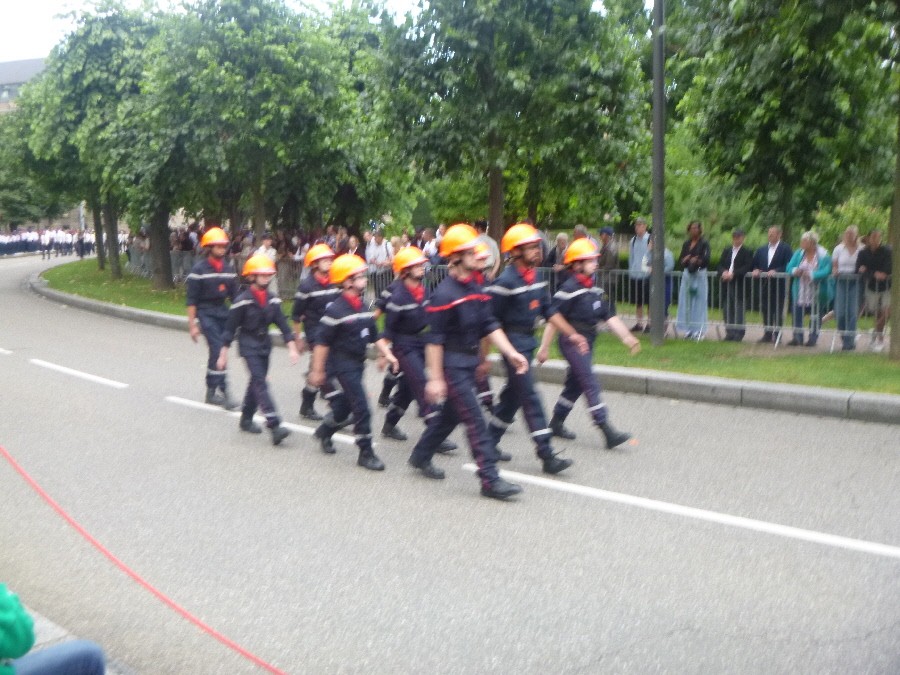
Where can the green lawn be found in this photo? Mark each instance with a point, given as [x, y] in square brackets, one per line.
[861, 371]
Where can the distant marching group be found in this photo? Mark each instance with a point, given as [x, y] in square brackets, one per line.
[50, 242]
[435, 342]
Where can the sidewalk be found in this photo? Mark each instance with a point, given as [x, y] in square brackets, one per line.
[840, 403]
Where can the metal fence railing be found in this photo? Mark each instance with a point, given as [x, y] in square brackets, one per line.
[699, 305]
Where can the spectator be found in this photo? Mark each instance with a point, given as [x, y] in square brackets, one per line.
[668, 268]
[429, 244]
[638, 277]
[379, 256]
[846, 290]
[268, 250]
[353, 246]
[492, 264]
[735, 263]
[810, 268]
[17, 639]
[874, 263]
[692, 296]
[607, 265]
[769, 262]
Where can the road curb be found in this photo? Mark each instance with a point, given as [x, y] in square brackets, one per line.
[821, 401]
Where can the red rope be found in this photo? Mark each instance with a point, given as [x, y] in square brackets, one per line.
[127, 570]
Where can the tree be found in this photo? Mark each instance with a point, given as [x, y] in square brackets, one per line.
[493, 87]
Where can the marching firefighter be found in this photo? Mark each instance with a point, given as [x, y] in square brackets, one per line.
[584, 305]
[519, 299]
[482, 383]
[250, 316]
[211, 283]
[459, 316]
[313, 295]
[345, 332]
[405, 324]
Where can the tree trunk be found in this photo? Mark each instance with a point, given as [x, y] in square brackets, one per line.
[496, 218]
[894, 239]
[159, 249]
[533, 194]
[259, 211]
[111, 224]
[94, 206]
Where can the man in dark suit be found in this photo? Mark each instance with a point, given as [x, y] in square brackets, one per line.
[770, 260]
[735, 263]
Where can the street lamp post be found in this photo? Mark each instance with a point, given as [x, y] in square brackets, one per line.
[658, 275]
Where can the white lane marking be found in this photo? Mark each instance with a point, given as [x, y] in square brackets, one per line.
[5, 352]
[812, 536]
[77, 373]
[309, 431]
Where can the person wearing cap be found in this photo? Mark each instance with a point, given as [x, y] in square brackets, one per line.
[583, 305]
[314, 293]
[519, 300]
[459, 317]
[252, 313]
[735, 264]
[405, 324]
[272, 254]
[339, 358]
[211, 285]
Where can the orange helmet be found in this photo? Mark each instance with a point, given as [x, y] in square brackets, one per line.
[580, 249]
[214, 236]
[482, 251]
[407, 257]
[345, 266]
[258, 264]
[317, 252]
[518, 235]
[457, 238]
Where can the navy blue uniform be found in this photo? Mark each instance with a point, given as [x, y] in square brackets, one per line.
[347, 332]
[207, 290]
[459, 317]
[310, 302]
[405, 323]
[390, 378]
[518, 304]
[583, 308]
[250, 321]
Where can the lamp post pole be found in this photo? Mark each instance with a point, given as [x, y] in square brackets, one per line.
[658, 275]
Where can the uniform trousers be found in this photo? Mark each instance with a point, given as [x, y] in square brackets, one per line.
[461, 406]
[257, 395]
[346, 395]
[520, 392]
[213, 328]
[411, 384]
[580, 379]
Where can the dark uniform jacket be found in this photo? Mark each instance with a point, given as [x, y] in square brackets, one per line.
[347, 332]
[406, 319]
[743, 264]
[518, 305]
[878, 260]
[310, 302]
[207, 290]
[250, 321]
[459, 315]
[582, 307]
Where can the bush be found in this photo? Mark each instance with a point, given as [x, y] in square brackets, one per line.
[858, 210]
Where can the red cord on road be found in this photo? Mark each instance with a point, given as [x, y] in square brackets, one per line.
[127, 570]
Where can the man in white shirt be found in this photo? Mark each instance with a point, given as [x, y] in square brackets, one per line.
[380, 255]
[268, 250]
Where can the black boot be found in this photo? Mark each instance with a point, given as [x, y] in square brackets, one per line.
[559, 429]
[369, 460]
[553, 464]
[503, 456]
[446, 446]
[391, 431]
[247, 424]
[500, 489]
[230, 403]
[325, 441]
[307, 409]
[384, 399]
[429, 470]
[613, 437]
[213, 397]
[279, 433]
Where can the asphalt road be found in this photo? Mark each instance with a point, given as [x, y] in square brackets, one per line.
[318, 566]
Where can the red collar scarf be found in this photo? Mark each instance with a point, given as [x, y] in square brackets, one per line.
[586, 280]
[354, 301]
[260, 295]
[216, 263]
[418, 292]
[323, 281]
[527, 273]
[479, 277]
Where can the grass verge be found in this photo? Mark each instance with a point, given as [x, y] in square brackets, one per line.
[860, 371]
